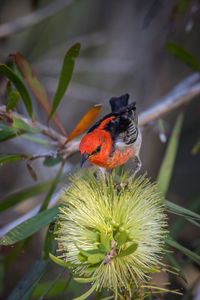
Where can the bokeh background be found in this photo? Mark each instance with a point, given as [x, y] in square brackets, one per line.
[123, 50]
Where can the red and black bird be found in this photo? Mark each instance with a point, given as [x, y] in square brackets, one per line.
[114, 139]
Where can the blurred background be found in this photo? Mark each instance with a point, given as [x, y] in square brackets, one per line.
[122, 50]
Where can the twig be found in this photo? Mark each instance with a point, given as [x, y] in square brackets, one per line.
[50, 132]
[33, 18]
[180, 95]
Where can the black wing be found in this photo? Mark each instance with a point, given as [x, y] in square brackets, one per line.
[123, 128]
[124, 124]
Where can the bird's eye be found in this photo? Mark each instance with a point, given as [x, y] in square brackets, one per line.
[97, 150]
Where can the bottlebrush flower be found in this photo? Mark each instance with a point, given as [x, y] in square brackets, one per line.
[110, 236]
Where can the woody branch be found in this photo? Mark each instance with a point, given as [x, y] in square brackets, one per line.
[184, 92]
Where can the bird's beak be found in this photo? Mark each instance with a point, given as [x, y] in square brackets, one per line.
[84, 157]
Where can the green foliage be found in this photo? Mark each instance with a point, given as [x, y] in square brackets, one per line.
[29, 286]
[192, 255]
[18, 83]
[29, 227]
[129, 250]
[65, 76]
[14, 97]
[23, 195]
[183, 55]
[166, 168]
[10, 158]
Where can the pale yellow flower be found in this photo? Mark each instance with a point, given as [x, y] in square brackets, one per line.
[113, 237]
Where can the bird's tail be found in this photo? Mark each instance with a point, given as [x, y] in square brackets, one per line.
[118, 103]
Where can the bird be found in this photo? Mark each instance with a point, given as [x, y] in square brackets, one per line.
[114, 139]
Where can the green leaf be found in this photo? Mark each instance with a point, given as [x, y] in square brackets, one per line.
[65, 76]
[181, 211]
[88, 293]
[51, 286]
[131, 249]
[105, 241]
[52, 189]
[8, 133]
[14, 97]
[63, 263]
[59, 288]
[91, 268]
[195, 257]
[25, 285]
[19, 124]
[36, 140]
[183, 55]
[96, 258]
[50, 162]
[6, 158]
[24, 195]
[81, 257]
[166, 169]
[87, 253]
[30, 226]
[174, 263]
[87, 280]
[121, 238]
[18, 83]
[49, 242]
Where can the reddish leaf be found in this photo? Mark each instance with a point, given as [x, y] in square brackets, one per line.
[85, 122]
[32, 172]
[36, 87]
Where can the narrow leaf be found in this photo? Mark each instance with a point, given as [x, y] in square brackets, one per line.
[96, 258]
[85, 122]
[24, 195]
[88, 293]
[52, 189]
[19, 124]
[174, 263]
[36, 87]
[37, 140]
[65, 76]
[14, 97]
[195, 257]
[18, 83]
[179, 210]
[49, 241]
[105, 241]
[31, 171]
[183, 55]
[131, 249]
[166, 169]
[28, 281]
[87, 280]
[63, 263]
[50, 162]
[121, 238]
[43, 296]
[30, 226]
[8, 133]
[10, 158]
[59, 288]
